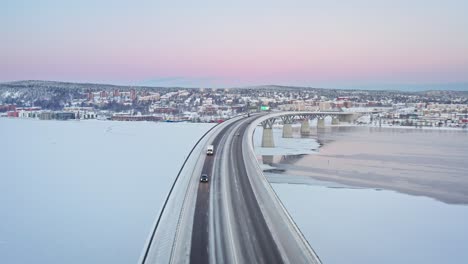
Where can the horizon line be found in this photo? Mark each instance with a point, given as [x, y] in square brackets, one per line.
[364, 87]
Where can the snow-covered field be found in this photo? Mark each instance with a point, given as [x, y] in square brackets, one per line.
[85, 191]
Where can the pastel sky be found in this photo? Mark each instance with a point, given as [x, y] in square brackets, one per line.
[214, 43]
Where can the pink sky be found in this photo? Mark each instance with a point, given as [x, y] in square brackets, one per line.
[301, 43]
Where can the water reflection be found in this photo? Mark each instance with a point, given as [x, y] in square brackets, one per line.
[331, 193]
[413, 161]
[283, 159]
[267, 159]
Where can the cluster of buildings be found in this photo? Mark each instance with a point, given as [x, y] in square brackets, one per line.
[338, 103]
[104, 97]
[421, 115]
[39, 113]
[443, 108]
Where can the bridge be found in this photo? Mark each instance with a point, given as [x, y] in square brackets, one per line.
[236, 217]
[289, 118]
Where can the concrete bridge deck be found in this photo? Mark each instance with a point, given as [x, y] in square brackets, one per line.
[304, 117]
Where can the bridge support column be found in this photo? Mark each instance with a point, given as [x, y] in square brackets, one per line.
[305, 127]
[321, 122]
[287, 128]
[347, 118]
[267, 136]
[287, 131]
[335, 120]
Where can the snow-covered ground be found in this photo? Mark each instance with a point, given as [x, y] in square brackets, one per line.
[85, 191]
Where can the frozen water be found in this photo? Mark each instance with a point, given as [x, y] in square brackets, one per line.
[349, 222]
[369, 226]
[85, 191]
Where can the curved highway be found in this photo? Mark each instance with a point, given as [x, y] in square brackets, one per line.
[230, 189]
[229, 225]
[236, 216]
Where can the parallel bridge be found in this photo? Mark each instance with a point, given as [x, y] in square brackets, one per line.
[289, 118]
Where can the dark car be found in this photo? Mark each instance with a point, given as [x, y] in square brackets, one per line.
[204, 178]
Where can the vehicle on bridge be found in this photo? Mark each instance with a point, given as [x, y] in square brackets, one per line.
[204, 177]
[210, 150]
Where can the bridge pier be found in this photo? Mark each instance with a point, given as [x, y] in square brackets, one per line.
[267, 136]
[287, 128]
[349, 118]
[335, 120]
[287, 131]
[305, 127]
[320, 122]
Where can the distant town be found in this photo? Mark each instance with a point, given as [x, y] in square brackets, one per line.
[47, 100]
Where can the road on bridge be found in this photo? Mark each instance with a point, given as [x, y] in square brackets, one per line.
[246, 237]
[235, 217]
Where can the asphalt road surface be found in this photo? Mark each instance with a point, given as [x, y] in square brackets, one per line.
[228, 224]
